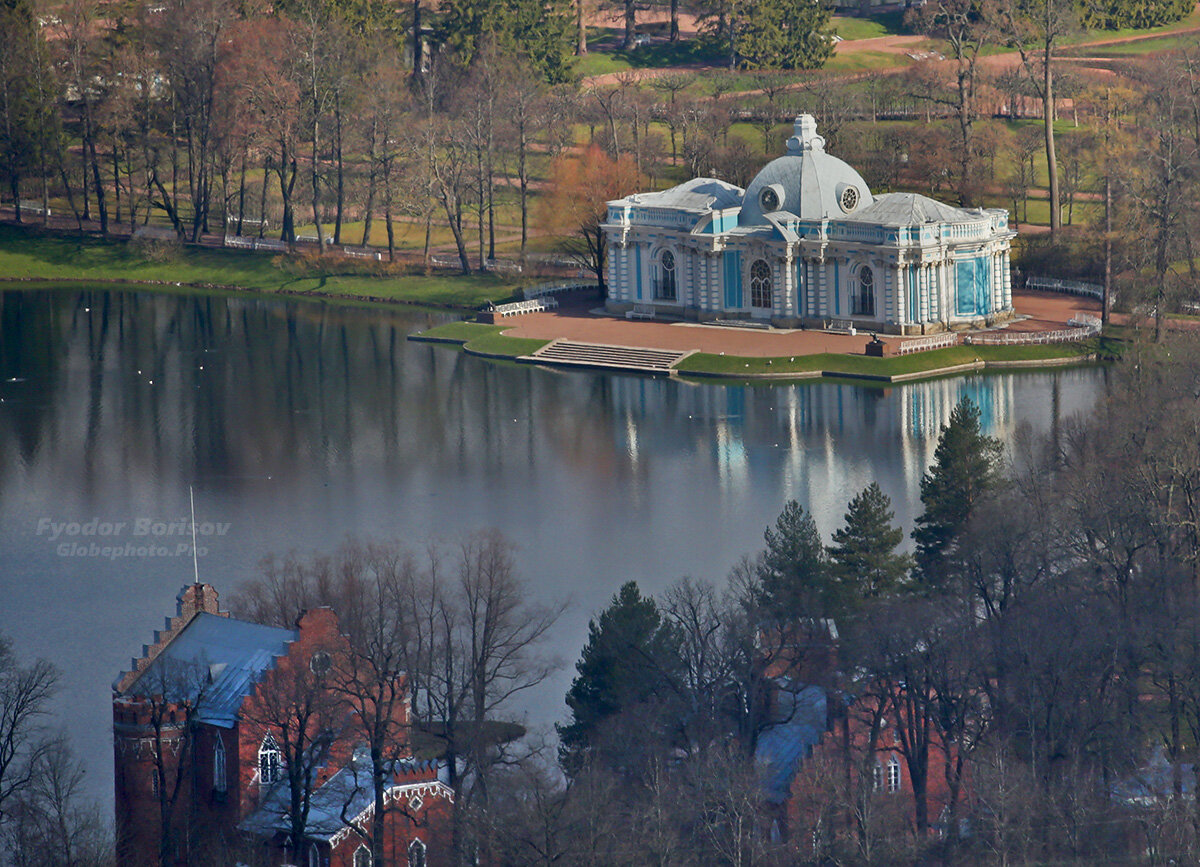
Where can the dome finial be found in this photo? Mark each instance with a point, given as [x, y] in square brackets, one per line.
[805, 136]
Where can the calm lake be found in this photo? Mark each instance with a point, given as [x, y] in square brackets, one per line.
[300, 423]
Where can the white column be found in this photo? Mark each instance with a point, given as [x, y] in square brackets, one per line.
[927, 294]
[935, 311]
[823, 305]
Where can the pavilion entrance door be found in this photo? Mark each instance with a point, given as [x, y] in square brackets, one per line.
[762, 293]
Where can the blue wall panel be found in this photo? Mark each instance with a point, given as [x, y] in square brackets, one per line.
[733, 279]
[637, 264]
[972, 286]
[799, 281]
[914, 301]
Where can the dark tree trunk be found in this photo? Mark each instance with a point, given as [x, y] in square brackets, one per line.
[341, 169]
[372, 167]
[630, 39]
[581, 45]
[417, 52]
[262, 197]
[241, 194]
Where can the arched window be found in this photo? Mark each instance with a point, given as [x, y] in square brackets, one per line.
[362, 857]
[893, 774]
[314, 855]
[862, 303]
[416, 854]
[219, 783]
[665, 280]
[269, 761]
[760, 284]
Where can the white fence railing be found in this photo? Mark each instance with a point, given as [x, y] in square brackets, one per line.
[544, 289]
[363, 254]
[516, 308]
[245, 243]
[1071, 287]
[1062, 335]
[925, 344]
[232, 219]
[503, 266]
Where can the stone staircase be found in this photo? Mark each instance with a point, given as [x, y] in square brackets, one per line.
[572, 354]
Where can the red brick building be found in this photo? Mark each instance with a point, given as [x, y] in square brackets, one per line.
[204, 725]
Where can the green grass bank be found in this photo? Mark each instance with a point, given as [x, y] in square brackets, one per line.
[480, 339]
[35, 255]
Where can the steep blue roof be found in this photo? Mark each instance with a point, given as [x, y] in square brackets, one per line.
[784, 745]
[217, 659]
[1155, 783]
[348, 790]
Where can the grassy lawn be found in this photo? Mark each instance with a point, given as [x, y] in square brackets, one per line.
[1139, 47]
[480, 337]
[488, 339]
[886, 24]
[861, 365]
[1188, 22]
[865, 61]
[31, 255]
[654, 55]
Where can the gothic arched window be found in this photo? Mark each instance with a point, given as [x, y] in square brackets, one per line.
[362, 857]
[269, 761]
[760, 284]
[863, 300]
[219, 783]
[666, 281]
[416, 854]
[893, 774]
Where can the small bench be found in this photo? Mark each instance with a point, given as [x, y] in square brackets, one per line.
[841, 326]
[640, 311]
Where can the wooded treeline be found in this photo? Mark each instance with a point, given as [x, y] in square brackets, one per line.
[353, 117]
[1034, 667]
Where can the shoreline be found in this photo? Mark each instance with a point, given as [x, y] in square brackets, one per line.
[34, 257]
[117, 283]
[489, 336]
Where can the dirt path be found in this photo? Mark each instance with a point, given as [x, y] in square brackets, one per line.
[899, 44]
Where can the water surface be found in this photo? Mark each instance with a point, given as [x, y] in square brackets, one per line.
[300, 423]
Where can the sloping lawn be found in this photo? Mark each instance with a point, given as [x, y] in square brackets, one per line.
[33, 255]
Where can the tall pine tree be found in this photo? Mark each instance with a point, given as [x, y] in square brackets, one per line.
[792, 572]
[966, 467]
[863, 560]
[769, 34]
[624, 676]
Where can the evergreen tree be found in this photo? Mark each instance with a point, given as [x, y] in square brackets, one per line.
[776, 34]
[624, 673]
[793, 573]
[535, 29]
[966, 467]
[1121, 14]
[785, 34]
[863, 560]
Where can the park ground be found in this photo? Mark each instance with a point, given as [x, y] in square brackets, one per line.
[748, 354]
